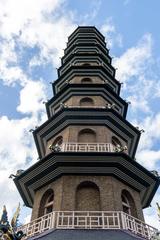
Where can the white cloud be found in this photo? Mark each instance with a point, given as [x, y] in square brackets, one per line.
[151, 125]
[27, 23]
[24, 25]
[151, 213]
[17, 148]
[148, 158]
[50, 37]
[93, 10]
[108, 29]
[134, 60]
[17, 151]
[10, 72]
[16, 143]
[32, 97]
[16, 15]
[138, 103]
[135, 69]
[151, 217]
[148, 153]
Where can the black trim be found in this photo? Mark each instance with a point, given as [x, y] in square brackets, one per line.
[78, 54]
[88, 164]
[82, 87]
[81, 55]
[84, 68]
[89, 38]
[69, 115]
[73, 47]
[80, 29]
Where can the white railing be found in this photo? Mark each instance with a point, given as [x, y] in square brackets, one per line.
[88, 220]
[102, 107]
[87, 147]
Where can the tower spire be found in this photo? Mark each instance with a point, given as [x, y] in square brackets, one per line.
[87, 147]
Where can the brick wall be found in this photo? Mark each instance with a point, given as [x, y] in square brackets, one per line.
[106, 198]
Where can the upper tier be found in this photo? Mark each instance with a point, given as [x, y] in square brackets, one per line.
[86, 36]
[86, 54]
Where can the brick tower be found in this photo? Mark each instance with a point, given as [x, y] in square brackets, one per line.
[87, 176]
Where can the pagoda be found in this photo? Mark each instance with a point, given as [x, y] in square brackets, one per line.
[87, 183]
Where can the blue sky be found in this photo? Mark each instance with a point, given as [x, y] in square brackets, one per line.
[33, 34]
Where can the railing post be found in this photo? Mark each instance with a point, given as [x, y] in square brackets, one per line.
[87, 219]
[103, 220]
[98, 147]
[57, 220]
[53, 219]
[73, 219]
[63, 147]
[123, 219]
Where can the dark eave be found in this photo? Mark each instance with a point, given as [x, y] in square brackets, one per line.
[86, 38]
[92, 50]
[78, 88]
[82, 28]
[79, 69]
[57, 164]
[81, 46]
[78, 55]
[82, 116]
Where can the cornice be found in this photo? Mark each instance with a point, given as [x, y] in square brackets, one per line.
[118, 165]
[90, 89]
[82, 116]
[85, 71]
[99, 57]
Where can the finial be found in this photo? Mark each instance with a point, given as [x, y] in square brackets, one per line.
[128, 102]
[18, 173]
[155, 173]
[142, 131]
[31, 130]
[108, 105]
[12, 176]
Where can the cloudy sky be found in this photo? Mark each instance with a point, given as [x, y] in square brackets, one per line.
[33, 34]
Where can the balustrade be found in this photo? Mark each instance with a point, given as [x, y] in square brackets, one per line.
[88, 220]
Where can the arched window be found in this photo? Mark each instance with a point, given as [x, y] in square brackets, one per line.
[86, 80]
[86, 102]
[47, 203]
[128, 204]
[87, 136]
[116, 142]
[87, 197]
[58, 141]
[86, 64]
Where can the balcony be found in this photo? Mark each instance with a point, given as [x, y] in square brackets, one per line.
[88, 220]
[108, 106]
[87, 147]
